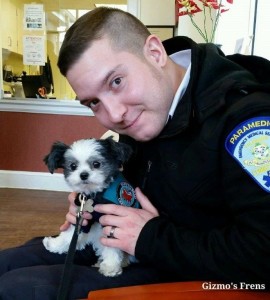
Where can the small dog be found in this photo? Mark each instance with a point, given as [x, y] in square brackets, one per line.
[93, 168]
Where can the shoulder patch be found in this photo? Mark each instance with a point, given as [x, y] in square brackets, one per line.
[249, 145]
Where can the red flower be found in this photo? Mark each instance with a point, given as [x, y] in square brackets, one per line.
[212, 4]
[190, 7]
[186, 7]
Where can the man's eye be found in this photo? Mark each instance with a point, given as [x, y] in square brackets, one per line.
[93, 103]
[117, 82]
[96, 164]
[73, 166]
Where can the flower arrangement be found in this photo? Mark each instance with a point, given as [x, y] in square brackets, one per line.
[191, 7]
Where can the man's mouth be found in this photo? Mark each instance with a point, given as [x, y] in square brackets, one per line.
[130, 124]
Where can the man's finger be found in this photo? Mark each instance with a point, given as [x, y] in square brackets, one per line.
[145, 203]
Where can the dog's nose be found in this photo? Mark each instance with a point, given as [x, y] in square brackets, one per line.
[84, 175]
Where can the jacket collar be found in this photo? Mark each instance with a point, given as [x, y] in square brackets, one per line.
[211, 77]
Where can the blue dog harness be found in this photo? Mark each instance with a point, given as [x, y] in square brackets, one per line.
[119, 192]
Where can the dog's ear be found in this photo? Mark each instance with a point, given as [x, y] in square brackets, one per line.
[120, 151]
[55, 159]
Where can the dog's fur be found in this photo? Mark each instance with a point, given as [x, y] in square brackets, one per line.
[90, 166]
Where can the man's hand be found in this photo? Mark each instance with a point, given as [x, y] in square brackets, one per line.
[72, 213]
[127, 220]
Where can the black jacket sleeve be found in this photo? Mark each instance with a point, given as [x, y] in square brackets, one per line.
[236, 252]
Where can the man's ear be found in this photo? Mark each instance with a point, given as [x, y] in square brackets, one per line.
[155, 51]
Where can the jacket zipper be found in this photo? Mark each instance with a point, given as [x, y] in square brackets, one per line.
[149, 164]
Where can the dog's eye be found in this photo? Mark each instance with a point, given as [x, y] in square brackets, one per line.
[73, 166]
[96, 164]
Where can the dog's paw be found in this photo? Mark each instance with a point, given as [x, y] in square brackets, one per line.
[55, 245]
[96, 265]
[110, 270]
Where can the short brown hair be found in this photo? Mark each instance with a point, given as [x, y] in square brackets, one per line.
[124, 30]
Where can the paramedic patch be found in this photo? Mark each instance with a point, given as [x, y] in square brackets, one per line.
[249, 144]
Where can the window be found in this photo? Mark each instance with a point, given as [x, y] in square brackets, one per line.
[32, 34]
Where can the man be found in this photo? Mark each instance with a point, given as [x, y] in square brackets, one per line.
[193, 119]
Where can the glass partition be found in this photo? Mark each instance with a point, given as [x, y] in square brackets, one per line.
[32, 33]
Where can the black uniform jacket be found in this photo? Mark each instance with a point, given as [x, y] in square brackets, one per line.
[214, 221]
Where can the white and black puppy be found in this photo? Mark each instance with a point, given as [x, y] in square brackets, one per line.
[93, 168]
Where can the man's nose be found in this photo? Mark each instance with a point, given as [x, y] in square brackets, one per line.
[115, 111]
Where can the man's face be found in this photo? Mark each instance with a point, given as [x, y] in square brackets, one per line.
[127, 94]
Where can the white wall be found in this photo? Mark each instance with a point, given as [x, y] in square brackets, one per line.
[133, 7]
[262, 39]
[157, 12]
[153, 12]
[233, 24]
